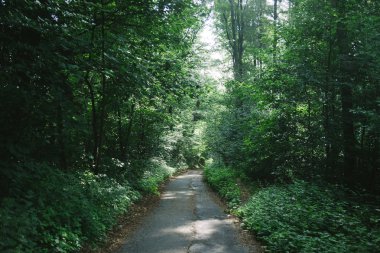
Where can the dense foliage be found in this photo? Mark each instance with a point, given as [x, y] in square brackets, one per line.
[301, 116]
[304, 100]
[96, 103]
[302, 216]
[101, 101]
[306, 217]
[223, 181]
[62, 211]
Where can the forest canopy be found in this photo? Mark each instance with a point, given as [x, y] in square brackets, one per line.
[297, 129]
[90, 92]
[102, 100]
[304, 100]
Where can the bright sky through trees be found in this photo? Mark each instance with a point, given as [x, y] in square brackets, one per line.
[102, 100]
[216, 63]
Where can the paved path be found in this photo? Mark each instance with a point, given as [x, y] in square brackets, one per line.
[187, 220]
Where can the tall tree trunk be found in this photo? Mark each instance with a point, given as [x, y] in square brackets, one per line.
[236, 37]
[120, 134]
[329, 109]
[240, 44]
[375, 156]
[275, 35]
[103, 84]
[345, 93]
[375, 164]
[61, 138]
[94, 118]
[94, 112]
[129, 130]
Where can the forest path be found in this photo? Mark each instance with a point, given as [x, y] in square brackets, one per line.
[188, 220]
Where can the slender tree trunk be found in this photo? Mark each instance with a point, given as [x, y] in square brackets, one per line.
[120, 133]
[375, 163]
[103, 84]
[240, 44]
[259, 36]
[328, 108]
[61, 138]
[375, 156]
[275, 35]
[348, 132]
[142, 147]
[94, 112]
[94, 118]
[345, 94]
[129, 130]
[236, 37]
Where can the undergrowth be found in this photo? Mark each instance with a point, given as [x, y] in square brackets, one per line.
[55, 211]
[157, 172]
[223, 181]
[305, 217]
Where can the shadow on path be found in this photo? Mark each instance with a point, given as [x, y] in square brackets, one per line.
[188, 220]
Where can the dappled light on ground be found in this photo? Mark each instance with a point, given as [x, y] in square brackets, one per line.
[186, 220]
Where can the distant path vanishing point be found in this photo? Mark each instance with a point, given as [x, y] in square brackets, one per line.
[187, 220]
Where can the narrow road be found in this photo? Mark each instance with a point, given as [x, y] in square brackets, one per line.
[187, 220]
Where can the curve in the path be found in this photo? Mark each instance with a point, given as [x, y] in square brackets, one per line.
[187, 220]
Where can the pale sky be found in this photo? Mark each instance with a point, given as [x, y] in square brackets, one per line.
[216, 61]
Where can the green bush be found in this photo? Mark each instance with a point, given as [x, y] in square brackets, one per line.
[60, 212]
[156, 173]
[223, 181]
[54, 211]
[304, 217]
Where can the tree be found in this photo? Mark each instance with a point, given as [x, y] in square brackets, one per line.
[299, 109]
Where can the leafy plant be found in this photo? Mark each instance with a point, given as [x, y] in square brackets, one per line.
[61, 212]
[158, 172]
[305, 217]
[223, 181]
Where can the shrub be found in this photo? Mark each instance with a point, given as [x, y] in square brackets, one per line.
[304, 217]
[54, 211]
[223, 181]
[59, 212]
[156, 173]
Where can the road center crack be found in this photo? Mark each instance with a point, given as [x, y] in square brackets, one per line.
[195, 214]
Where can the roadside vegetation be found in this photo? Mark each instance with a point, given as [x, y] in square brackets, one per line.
[298, 123]
[101, 101]
[302, 216]
[97, 102]
[62, 212]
